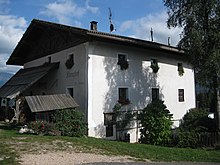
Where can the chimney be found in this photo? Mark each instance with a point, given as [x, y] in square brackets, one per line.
[93, 25]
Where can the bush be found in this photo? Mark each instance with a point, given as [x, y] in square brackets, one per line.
[184, 139]
[156, 122]
[42, 127]
[70, 122]
[197, 120]
[194, 123]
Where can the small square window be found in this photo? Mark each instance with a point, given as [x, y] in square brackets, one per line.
[122, 57]
[155, 94]
[154, 61]
[122, 61]
[180, 69]
[154, 65]
[181, 95]
[123, 96]
[70, 91]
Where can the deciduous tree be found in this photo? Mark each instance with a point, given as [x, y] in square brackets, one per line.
[200, 20]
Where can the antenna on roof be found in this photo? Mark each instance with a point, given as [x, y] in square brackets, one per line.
[152, 35]
[110, 20]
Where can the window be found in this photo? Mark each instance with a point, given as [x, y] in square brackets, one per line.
[154, 65]
[70, 61]
[122, 57]
[154, 61]
[122, 61]
[181, 95]
[109, 130]
[180, 69]
[123, 96]
[155, 94]
[70, 91]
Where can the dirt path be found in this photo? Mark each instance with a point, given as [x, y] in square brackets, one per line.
[66, 158]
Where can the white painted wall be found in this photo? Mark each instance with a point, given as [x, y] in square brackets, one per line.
[105, 77]
[59, 80]
[96, 78]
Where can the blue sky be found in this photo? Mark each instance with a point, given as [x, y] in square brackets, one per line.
[133, 18]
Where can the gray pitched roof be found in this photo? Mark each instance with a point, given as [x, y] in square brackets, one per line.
[24, 79]
[42, 38]
[42, 103]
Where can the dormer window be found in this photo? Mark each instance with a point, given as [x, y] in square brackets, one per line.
[154, 65]
[122, 61]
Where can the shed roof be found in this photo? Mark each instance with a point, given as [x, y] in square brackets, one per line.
[42, 103]
[24, 79]
[42, 38]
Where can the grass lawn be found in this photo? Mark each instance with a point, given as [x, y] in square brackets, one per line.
[12, 145]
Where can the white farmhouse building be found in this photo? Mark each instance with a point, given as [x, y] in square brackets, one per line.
[99, 70]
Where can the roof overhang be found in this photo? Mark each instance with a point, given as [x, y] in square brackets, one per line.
[43, 38]
[24, 79]
[134, 42]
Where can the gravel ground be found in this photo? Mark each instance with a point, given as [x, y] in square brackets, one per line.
[65, 158]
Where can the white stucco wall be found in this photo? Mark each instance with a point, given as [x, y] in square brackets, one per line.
[59, 80]
[105, 77]
[96, 77]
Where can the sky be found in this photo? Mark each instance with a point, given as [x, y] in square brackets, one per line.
[132, 18]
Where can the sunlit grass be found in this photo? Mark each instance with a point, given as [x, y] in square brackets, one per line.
[12, 144]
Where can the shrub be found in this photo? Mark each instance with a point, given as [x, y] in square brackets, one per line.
[70, 122]
[42, 127]
[197, 120]
[194, 123]
[184, 139]
[156, 123]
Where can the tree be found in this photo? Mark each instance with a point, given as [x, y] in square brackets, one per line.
[200, 20]
[156, 123]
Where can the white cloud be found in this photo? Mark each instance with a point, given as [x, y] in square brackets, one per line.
[64, 11]
[7, 68]
[140, 28]
[11, 30]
